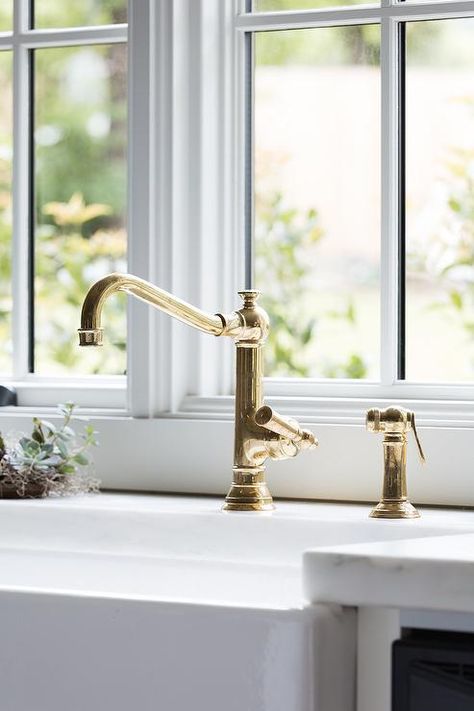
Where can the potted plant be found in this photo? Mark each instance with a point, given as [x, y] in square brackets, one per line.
[52, 460]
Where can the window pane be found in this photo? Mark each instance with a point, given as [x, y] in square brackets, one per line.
[440, 200]
[6, 15]
[58, 13]
[276, 5]
[5, 211]
[317, 200]
[80, 161]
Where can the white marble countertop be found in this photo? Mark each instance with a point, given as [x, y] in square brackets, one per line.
[431, 573]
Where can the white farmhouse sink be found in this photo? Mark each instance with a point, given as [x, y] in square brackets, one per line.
[196, 528]
[145, 602]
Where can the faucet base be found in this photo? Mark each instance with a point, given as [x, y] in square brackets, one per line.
[249, 491]
[394, 509]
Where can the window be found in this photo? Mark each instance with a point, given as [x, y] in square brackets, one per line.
[318, 150]
[363, 254]
[63, 133]
[359, 208]
[5, 208]
[439, 201]
[80, 205]
[317, 199]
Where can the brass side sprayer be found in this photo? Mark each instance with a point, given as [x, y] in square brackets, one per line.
[394, 423]
[260, 433]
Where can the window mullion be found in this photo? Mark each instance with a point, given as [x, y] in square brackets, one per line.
[21, 192]
[389, 266]
[401, 310]
[140, 360]
[74, 36]
[352, 15]
[6, 41]
[248, 100]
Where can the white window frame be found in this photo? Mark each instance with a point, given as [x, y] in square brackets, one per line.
[188, 122]
[32, 389]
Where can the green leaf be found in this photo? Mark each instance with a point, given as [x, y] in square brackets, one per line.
[37, 435]
[51, 461]
[41, 466]
[62, 449]
[351, 317]
[24, 442]
[67, 469]
[80, 459]
[456, 299]
[49, 426]
[307, 333]
[29, 445]
[356, 367]
[454, 204]
[66, 409]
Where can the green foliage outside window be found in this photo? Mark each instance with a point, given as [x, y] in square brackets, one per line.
[80, 210]
[286, 244]
[448, 255]
[74, 252]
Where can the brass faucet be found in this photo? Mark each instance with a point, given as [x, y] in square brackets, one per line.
[394, 422]
[260, 433]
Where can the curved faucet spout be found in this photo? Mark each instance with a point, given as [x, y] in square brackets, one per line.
[90, 333]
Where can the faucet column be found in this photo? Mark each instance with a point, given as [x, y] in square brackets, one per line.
[249, 491]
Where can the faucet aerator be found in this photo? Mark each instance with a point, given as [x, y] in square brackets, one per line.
[91, 336]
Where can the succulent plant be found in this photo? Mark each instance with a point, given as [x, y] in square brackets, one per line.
[52, 459]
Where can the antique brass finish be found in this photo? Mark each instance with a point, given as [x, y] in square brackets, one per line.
[394, 422]
[260, 433]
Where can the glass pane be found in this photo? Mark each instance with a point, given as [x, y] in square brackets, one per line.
[6, 15]
[317, 199]
[276, 5]
[80, 160]
[5, 211]
[58, 13]
[440, 201]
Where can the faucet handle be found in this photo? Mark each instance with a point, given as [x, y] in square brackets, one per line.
[285, 427]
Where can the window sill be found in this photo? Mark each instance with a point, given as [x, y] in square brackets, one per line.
[341, 410]
[93, 392]
[192, 453]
